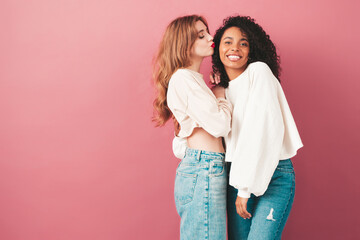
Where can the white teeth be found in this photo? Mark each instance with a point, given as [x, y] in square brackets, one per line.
[233, 57]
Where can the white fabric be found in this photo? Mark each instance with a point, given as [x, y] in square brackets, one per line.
[263, 130]
[194, 105]
[179, 147]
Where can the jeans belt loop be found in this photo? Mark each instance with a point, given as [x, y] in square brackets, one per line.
[198, 155]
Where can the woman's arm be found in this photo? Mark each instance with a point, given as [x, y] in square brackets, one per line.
[207, 111]
[260, 138]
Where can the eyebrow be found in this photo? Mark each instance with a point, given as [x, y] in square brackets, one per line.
[242, 39]
[203, 30]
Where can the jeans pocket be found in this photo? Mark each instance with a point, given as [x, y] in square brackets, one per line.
[216, 168]
[285, 166]
[184, 187]
[285, 169]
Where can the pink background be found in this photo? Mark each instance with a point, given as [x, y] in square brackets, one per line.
[79, 156]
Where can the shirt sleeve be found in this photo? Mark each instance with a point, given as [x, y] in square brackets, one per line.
[179, 146]
[260, 137]
[208, 112]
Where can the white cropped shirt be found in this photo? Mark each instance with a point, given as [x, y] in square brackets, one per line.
[263, 130]
[194, 105]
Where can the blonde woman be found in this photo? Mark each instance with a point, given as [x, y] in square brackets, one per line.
[204, 116]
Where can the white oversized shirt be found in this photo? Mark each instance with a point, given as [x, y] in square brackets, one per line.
[263, 130]
[194, 105]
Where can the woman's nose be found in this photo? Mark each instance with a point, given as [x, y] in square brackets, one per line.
[234, 48]
[210, 38]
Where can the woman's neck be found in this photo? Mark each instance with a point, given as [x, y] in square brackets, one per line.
[234, 72]
[195, 66]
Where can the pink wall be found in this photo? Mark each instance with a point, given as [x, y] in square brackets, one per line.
[79, 157]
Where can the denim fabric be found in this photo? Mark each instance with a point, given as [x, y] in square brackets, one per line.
[200, 195]
[269, 211]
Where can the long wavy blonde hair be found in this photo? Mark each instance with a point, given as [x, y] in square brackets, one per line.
[174, 53]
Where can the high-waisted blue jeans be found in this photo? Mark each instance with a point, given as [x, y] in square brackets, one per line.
[269, 211]
[200, 195]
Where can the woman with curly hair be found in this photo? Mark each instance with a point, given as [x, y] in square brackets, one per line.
[204, 117]
[263, 137]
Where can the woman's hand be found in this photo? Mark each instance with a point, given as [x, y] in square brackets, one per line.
[214, 78]
[218, 91]
[241, 204]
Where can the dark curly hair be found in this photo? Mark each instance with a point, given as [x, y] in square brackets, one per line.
[261, 47]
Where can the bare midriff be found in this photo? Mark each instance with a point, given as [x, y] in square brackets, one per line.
[202, 140]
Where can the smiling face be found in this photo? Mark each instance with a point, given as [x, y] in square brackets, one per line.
[234, 51]
[203, 45]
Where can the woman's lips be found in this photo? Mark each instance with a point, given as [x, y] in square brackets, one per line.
[213, 45]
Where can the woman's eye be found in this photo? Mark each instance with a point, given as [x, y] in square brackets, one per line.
[244, 44]
[202, 36]
[227, 42]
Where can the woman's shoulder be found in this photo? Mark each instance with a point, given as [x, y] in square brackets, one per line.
[260, 69]
[261, 73]
[180, 79]
[258, 66]
[181, 72]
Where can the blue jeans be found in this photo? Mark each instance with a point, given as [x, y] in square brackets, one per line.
[269, 211]
[200, 195]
